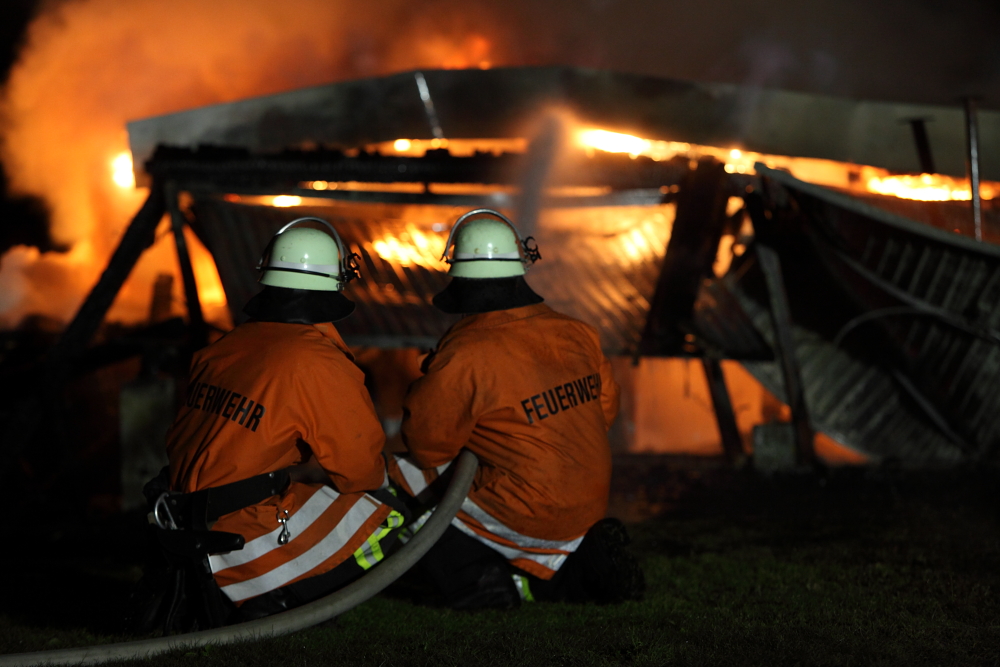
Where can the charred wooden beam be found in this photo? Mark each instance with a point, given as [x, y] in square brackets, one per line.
[139, 235]
[923, 143]
[222, 167]
[732, 444]
[196, 318]
[694, 242]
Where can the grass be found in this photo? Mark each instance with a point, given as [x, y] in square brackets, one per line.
[856, 569]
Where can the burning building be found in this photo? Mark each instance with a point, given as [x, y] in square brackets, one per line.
[742, 265]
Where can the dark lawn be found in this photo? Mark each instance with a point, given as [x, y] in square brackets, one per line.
[865, 567]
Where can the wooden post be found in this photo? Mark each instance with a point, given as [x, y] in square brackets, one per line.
[781, 319]
[732, 444]
[196, 318]
[691, 251]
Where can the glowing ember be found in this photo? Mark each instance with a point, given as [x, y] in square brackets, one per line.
[121, 170]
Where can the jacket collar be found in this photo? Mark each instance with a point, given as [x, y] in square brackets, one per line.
[496, 318]
[330, 333]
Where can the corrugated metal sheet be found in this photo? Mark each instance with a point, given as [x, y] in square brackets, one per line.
[934, 295]
[855, 402]
[598, 264]
[950, 216]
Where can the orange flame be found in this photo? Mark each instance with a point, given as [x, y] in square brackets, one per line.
[414, 247]
[861, 178]
[929, 187]
[65, 114]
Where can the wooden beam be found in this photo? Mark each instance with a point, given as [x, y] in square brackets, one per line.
[196, 318]
[691, 251]
[781, 319]
[138, 236]
[732, 444]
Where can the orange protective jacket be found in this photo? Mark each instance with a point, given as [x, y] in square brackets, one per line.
[529, 391]
[264, 397]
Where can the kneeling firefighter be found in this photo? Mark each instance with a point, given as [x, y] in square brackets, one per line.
[529, 391]
[272, 497]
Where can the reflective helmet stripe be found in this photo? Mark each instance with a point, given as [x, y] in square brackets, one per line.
[331, 270]
[467, 256]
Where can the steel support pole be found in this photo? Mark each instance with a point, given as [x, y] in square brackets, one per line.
[972, 164]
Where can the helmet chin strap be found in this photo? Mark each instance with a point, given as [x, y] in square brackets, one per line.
[349, 268]
[530, 251]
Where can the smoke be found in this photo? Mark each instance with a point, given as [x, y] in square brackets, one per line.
[90, 66]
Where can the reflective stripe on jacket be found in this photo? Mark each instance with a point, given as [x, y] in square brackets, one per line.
[530, 392]
[264, 397]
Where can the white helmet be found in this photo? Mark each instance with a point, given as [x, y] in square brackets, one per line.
[307, 258]
[488, 247]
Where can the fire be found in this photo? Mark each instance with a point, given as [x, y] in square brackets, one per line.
[456, 147]
[472, 51]
[860, 178]
[121, 170]
[64, 116]
[615, 142]
[413, 247]
[929, 187]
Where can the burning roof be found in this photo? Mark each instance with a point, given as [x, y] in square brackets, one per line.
[503, 102]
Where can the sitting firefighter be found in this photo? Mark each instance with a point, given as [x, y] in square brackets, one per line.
[277, 448]
[530, 392]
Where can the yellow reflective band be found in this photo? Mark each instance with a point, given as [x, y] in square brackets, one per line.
[371, 547]
[523, 589]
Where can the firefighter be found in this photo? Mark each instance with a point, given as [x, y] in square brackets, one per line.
[279, 397]
[530, 392]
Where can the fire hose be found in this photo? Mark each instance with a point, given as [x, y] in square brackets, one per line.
[290, 621]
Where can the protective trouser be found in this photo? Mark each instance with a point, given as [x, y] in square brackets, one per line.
[467, 574]
[178, 591]
[473, 568]
[541, 557]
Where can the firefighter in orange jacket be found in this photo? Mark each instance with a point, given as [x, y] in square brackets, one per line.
[281, 391]
[530, 392]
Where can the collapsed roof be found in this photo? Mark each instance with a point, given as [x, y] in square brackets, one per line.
[642, 274]
[504, 102]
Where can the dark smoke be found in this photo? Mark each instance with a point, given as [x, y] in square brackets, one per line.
[23, 219]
